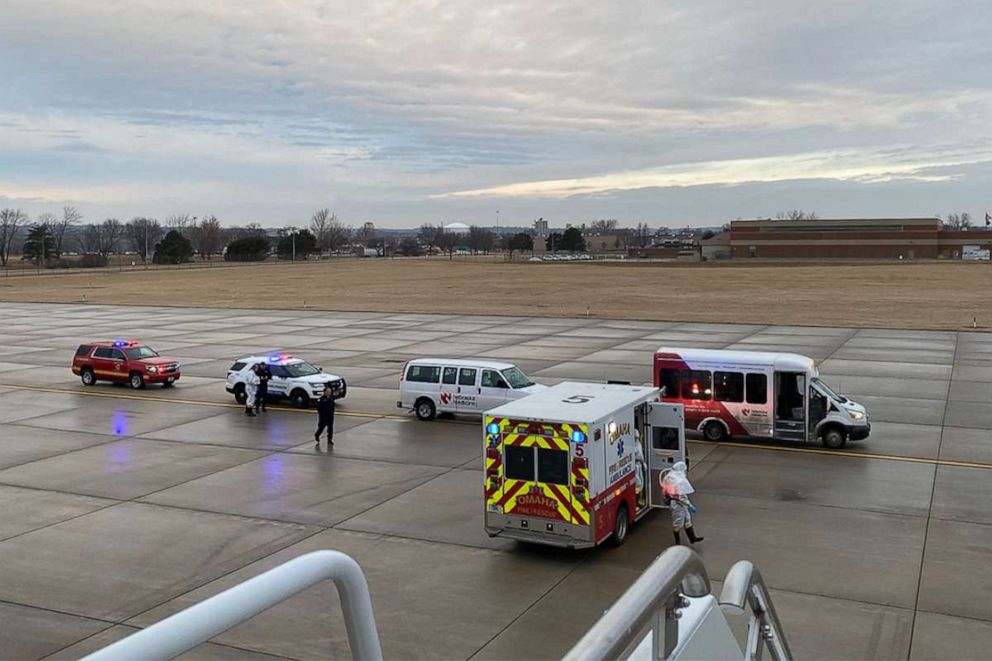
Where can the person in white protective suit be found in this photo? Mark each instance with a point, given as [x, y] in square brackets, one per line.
[251, 390]
[676, 487]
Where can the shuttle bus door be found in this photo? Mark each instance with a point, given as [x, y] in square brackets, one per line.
[665, 445]
[790, 405]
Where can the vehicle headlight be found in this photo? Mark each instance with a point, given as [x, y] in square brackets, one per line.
[152, 369]
[856, 415]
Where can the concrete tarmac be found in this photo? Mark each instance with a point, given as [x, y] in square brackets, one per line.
[121, 507]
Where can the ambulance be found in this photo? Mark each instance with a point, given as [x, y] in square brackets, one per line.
[561, 468]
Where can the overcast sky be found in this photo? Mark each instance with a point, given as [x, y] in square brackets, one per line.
[405, 112]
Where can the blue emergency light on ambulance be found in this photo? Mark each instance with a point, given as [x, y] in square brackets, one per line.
[578, 437]
[493, 428]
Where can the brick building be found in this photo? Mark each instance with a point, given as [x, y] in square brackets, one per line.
[861, 238]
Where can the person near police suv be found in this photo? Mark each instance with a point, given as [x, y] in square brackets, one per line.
[251, 390]
[325, 416]
[676, 487]
[264, 374]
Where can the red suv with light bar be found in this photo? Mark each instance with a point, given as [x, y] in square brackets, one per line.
[123, 361]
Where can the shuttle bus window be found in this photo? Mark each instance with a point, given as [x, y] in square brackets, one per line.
[757, 389]
[728, 386]
[466, 377]
[665, 438]
[450, 375]
[423, 374]
[668, 381]
[552, 466]
[697, 384]
[519, 463]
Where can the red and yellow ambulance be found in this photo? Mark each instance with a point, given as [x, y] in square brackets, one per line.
[562, 466]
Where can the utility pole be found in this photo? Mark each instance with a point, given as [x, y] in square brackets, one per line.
[145, 260]
[294, 245]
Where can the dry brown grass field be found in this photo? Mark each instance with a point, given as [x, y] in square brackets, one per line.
[938, 295]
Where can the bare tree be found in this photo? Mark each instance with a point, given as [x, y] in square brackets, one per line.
[181, 222]
[603, 227]
[429, 235]
[141, 233]
[206, 236]
[90, 240]
[957, 221]
[338, 235]
[367, 235]
[643, 234]
[58, 227]
[796, 214]
[109, 232]
[319, 222]
[480, 239]
[11, 221]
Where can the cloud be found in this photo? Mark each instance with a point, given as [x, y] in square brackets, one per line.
[842, 165]
[378, 105]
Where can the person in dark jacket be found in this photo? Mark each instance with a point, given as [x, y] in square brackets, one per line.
[325, 416]
[264, 374]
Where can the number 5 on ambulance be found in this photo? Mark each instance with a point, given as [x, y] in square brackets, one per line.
[575, 465]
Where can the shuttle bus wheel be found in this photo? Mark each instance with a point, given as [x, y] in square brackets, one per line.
[715, 431]
[833, 438]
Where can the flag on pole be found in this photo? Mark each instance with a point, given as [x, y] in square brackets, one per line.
[988, 219]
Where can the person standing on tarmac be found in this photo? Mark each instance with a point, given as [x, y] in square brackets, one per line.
[676, 488]
[251, 390]
[325, 416]
[264, 374]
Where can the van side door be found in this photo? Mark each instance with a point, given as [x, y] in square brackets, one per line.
[449, 388]
[665, 447]
[467, 395]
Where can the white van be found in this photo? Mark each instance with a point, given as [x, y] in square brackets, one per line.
[444, 385]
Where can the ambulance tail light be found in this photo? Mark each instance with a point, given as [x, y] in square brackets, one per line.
[580, 462]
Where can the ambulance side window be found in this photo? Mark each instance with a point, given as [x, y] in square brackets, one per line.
[665, 438]
[450, 376]
[757, 389]
[668, 381]
[519, 463]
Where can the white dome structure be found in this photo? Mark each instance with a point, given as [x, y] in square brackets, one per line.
[457, 228]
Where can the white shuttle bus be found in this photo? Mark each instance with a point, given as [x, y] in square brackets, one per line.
[758, 394]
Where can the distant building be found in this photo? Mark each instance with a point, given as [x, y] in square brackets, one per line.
[457, 228]
[856, 238]
[540, 229]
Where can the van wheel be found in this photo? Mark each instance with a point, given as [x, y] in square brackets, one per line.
[300, 399]
[240, 396]
[834, 438]
[135, 381]
[714, 431]
[620, 526]
[425, 408]
[87, 376]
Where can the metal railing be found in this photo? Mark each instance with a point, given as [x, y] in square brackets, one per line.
[198, 624]
[652, 602]
[744, 586]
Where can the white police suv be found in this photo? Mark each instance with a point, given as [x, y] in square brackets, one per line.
[292, 378]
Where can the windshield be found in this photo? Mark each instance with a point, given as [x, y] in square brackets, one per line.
[830, 393]
[300, 369]
[516, 378]
[138, 353]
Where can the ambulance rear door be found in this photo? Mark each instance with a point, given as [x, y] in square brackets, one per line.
[666, 444]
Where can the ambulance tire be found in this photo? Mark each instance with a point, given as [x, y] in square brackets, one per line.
[715, 431]
[135, 381]
[620, 526]
[87, 377]
[240, 396]
[833, 438]
[425, 408]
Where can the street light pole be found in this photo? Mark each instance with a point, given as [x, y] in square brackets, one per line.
[294, 245]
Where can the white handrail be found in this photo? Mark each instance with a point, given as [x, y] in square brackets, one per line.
[198, 624]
